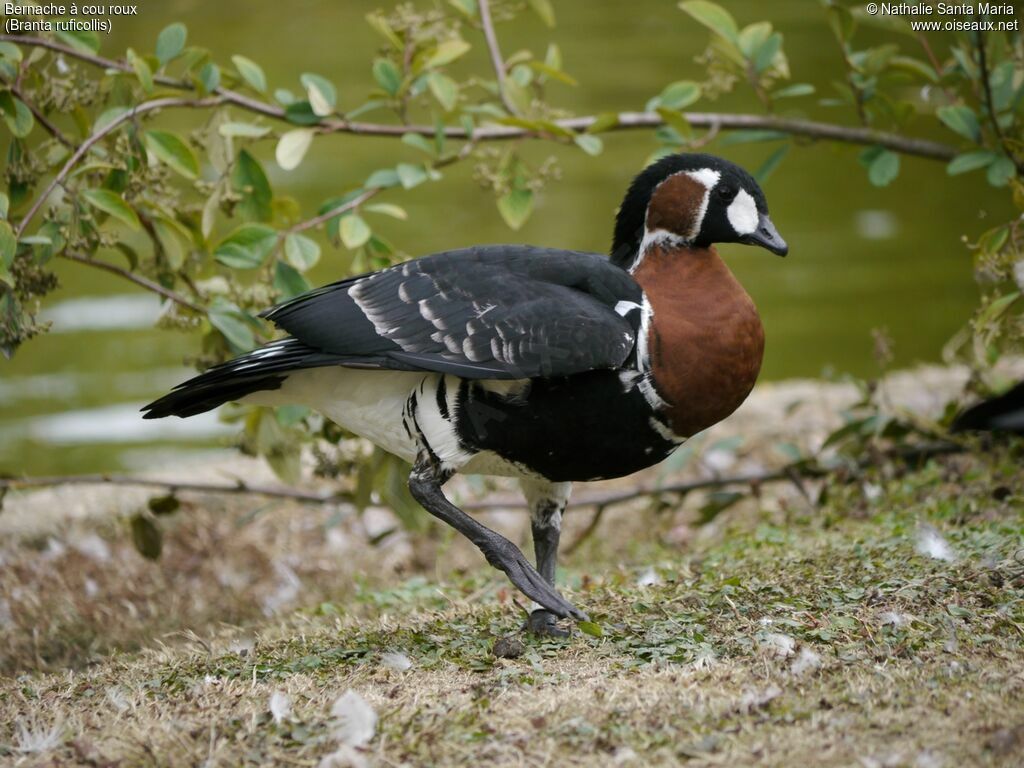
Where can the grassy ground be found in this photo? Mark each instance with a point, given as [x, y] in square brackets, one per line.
[883, 628]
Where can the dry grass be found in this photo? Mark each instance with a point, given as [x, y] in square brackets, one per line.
[778, 636]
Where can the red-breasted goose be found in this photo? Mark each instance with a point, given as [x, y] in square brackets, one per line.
[547, 365]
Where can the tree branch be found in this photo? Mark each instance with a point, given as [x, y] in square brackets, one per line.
[496, 59]
[599, 501]
[625, 120]
[89, 143]
[146, 283]
[172, 486]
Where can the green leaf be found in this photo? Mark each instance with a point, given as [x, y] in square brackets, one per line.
[284, 97]
[301, 113]
[970, 161]
[678, 95]
[411, 175]
[243, 130]
[112, 203]
[467, 8]
[445, 53]
[209, 77]
[1001, 171]
[420, 143]
[250, 181]
[792, 91]
[172, 151]
[961, 120]
[289, 281]
[712, 16]
[5, 205]
[767, 51]
[164, 505]
[18, 117]
[381, 27]
[8, 245]
[10, 51]
[354, 231]
[544, 10]
[589, 143]
[677, 122]
[751, 136]
[292, 146]
[445, 90]
[515, 207]
[171, 42]
[175, 240]
[387, 76]
[233, 324]
[383, 178]
[914, 66]
[320, 92]
[388, 209]
[545, 69]
[768, 167]
[141, 69]
[590, 628]
[883, 165]
[717, 502]
[752, 36]
[604, 122]
[301, 252]
[246, 247]
[146, 537]
[251, 72]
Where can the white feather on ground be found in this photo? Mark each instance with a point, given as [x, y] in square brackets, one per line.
[280, 706]
[781, 645]
[396, 661]
[931, 543]
[355, 719]
[806, 661]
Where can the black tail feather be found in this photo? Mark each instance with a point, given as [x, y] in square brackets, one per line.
[1004, 413]
[262, 369]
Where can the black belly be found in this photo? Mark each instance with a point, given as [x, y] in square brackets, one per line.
[581, 427]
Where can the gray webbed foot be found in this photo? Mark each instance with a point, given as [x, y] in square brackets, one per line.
[544, 623]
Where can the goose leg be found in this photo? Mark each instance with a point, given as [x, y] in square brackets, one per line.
[547, 502]
[425, 483]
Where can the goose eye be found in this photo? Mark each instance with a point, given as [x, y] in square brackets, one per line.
[726, 193]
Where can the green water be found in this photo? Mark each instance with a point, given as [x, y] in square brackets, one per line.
[860, 257]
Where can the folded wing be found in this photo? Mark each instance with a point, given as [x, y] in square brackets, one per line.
[488, 312]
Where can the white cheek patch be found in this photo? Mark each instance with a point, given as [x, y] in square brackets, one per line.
[742, 214]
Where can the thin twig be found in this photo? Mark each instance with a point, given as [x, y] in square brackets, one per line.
[786, 474]
[990, 104]
[496, 60]
[113, 125]
[173, 486]
[52, 129]
[625, 120]
[324, 217]
[139, 280]
[806, 470]
[588, 531]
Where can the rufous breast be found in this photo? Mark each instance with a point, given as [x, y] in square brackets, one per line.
[705, 338]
